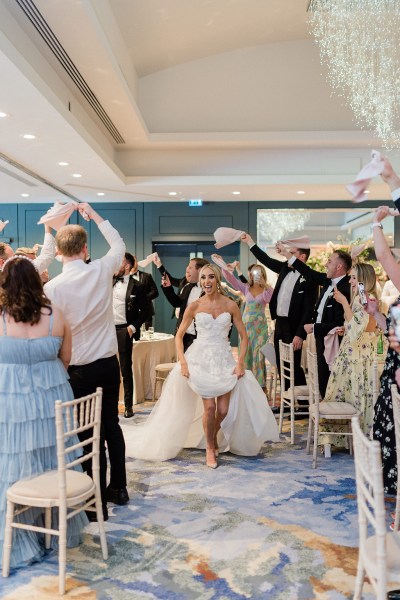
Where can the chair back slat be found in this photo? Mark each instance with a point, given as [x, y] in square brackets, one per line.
[286, 364]
[313, 383]
[370, 501]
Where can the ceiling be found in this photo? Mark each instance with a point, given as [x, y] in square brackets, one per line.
[144, 98]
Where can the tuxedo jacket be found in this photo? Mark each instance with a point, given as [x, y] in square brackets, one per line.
[150, 290]
[303, 298]
[333, 313]
[180, 299]
[136, 305]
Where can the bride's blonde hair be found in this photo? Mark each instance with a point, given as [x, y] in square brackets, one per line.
[218, 276]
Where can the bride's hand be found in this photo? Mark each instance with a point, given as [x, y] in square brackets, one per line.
[184, 370]
[239, 370]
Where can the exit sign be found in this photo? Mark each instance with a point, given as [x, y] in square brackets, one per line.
[196, 202]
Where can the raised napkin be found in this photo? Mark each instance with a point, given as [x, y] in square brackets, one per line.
[301, 242]
[372, 169]
[57, 216]
[331, 342]
[226, 235]
[221, 263]
[146, 261]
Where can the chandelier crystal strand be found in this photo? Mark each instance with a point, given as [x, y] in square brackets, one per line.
[358, 41]
[274, 225]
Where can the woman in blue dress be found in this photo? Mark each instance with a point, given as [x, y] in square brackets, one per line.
[35, 349]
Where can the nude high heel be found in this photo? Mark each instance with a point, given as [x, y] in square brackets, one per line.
[211, 461]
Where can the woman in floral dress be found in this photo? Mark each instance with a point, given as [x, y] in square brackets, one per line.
[257, 294]
[352, 370]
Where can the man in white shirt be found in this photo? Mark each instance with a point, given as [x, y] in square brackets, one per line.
[84, 294]
[328, 313]
[189, 291]
[130, 308]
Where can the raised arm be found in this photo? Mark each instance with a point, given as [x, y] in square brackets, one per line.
[382, 250]
[234, 282]
[48, 252]
[271, 263]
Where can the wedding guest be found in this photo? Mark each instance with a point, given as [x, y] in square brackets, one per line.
[150, 290]
[292, 302]
[42, 261]
[257, 294]
[189, 290]
[351, 378]
[130, 309]
[84, 293]
[35, 349]
[328, 313]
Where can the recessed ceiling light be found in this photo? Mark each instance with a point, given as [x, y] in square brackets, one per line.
[63, 164]
[300, 192]
[100, 193]
[236, 193]
[173, 194]
[76, 175]
[367, 192]
[25, 195]
[3, 114]
[29, 136]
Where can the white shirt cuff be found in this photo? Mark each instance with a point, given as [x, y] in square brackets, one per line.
[132, 328]
[396, 194]
[291, 260]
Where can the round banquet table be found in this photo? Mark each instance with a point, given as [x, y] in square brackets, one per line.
[146, 354]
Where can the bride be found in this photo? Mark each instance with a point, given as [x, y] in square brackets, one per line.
[208, 400]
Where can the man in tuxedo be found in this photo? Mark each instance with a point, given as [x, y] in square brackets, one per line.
[328, 313]
[150, 290]
[292, 303]
[130, 308]
[189, 290]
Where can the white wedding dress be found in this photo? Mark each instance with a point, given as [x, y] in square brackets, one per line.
[176, 420]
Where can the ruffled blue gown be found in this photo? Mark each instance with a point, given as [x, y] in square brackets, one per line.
[32, 377]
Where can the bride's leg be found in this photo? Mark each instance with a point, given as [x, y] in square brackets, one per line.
[209, 430]
[222, 411]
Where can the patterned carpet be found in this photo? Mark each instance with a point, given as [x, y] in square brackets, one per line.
[262, 528]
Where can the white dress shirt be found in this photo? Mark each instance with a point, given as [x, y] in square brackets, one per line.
[328, 291]
[285, 293]
[84, 294]
[119, 303]
[194, 295]
[46, 255]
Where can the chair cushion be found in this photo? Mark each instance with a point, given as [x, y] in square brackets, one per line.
[335, 409]
[46, 485]
[165, 366]
[392, 555]
[300, 391]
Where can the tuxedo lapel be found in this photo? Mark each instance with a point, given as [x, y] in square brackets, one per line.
[129, 288]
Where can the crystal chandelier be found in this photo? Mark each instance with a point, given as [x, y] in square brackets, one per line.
[274, 225]
[358, 42]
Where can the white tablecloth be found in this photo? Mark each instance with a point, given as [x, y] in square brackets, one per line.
[146, 354]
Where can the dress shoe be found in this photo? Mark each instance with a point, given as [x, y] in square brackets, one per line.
[128, 413]
[393, 595]
[118, 496]
[92, 516]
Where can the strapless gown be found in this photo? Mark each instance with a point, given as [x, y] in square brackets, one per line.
[176, 420]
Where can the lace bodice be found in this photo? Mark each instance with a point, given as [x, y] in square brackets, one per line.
[213, 330]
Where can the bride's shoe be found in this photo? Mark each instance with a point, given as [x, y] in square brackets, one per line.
[211, 461]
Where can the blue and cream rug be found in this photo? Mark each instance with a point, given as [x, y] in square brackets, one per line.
[268, 527]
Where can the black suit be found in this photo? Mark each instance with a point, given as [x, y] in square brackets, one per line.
[332, 316]
[300, 311]
[180, 300]
[136, 310]
[151, 292]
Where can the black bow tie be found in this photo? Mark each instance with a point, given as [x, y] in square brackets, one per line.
[118, 278]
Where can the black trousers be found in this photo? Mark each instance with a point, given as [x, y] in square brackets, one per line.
[323, 369]
[284, 332]
[125, 343]
[84, 379]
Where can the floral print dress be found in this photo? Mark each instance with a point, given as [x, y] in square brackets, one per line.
[383, 426]
[351, 378]
[256, 325]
